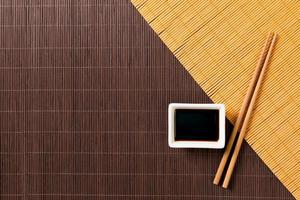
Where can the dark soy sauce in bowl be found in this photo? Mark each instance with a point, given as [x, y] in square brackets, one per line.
[196, 125]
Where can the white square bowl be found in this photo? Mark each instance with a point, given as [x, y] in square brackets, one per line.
[219, 144]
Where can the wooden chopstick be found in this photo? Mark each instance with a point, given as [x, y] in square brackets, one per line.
[245, 105]
[246, 121]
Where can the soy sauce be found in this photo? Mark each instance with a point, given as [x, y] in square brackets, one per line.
[196, 124]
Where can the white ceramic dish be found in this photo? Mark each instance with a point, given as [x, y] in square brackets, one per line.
[219, 144]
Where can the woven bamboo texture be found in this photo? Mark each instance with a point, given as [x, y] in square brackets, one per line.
[218, 43]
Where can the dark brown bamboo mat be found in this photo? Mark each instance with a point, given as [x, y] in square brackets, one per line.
[84, 90]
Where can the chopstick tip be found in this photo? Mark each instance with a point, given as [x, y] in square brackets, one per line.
[216, 182]
[225, 186]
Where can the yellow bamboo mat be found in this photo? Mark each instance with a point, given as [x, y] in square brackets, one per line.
[219, 42]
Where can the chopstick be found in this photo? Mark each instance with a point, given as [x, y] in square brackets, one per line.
[242, 114]
[246, 121]
[246, 109]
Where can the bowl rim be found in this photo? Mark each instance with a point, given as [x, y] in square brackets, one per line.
[219, 144]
